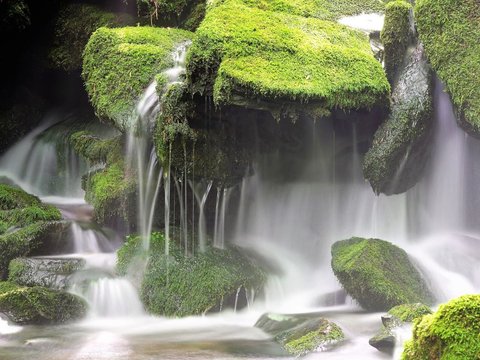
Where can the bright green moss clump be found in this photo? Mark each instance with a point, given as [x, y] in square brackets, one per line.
[39, 305]
[452, 333]
[378, 274]
[182, 285]
[73, 27]
[119, 64]
[450, 31]
[242, 52]
[322, 9]
[410, 312]
[396, 35]
[23, 222]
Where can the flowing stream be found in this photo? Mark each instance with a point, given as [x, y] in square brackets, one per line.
[291, 222]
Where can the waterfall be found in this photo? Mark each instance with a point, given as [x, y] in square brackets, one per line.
[327, 203]
[141, 153]
[44, 163]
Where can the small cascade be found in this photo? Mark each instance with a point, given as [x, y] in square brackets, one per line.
[44, 163]
[141, 153]
[220, 211]
[111, 297]
[89, 241]
[201, 198]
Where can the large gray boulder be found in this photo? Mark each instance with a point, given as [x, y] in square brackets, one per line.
[399, 152]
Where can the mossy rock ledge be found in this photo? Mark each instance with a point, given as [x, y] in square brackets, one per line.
[300, 334]
[453, 332]
[378, 274]
[120, 63]
[178, 285]
[386, 338]
[25, 223]
[38, 305]
[262, 59]
[400, 149]
[450, 31]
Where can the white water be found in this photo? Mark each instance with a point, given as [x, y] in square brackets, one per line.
[365, 22]
[141, 153]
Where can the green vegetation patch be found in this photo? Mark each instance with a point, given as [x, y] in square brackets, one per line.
[246, 52]
[23, 222]
[395, 36]
[119, 64]
[410, 312]
[450, 31]
[453, 332]
[39, 305]
[322, 9]
[378, 274]
[179, 285]
[73, 27]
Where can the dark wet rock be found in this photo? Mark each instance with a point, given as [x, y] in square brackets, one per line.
[300, 334]
[400, 149]
[50, 273]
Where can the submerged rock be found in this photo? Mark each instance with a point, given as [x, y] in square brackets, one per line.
[24, 224]
[386, 339]
[450, 333]
[180, 285]
[398, 155]
[50, 273]
[39, 305]
[450, 31]
[378, 274]
[140, 52]
[300, 334]
[267, 59]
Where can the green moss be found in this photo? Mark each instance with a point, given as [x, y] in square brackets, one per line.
[95, 149]
[73, 27]
[118, 65]
[378, 274]
[6, 286]
[245, 52]
[450, 31]
[301, 342]
[181, 285]
[396, 36]
[410, 312]
[193, 20]
[38, 305]
[24, 220]
[396, 160]
[453, 332]
[322, 9]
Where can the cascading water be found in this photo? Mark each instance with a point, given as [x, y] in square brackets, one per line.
[141, 152]
[44, 163]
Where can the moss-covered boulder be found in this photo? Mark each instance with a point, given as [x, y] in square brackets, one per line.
[73, 27]
[453, 332]
[111, 189]
[53, 273]
[180, 285]
[321, 9]
[119, 64]
[300, 334]
[378, 274]
[386, 338]
[38, 305]
[450, 31]
[396, 36]
[400, 149]
[256, 58]
[24, 223]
